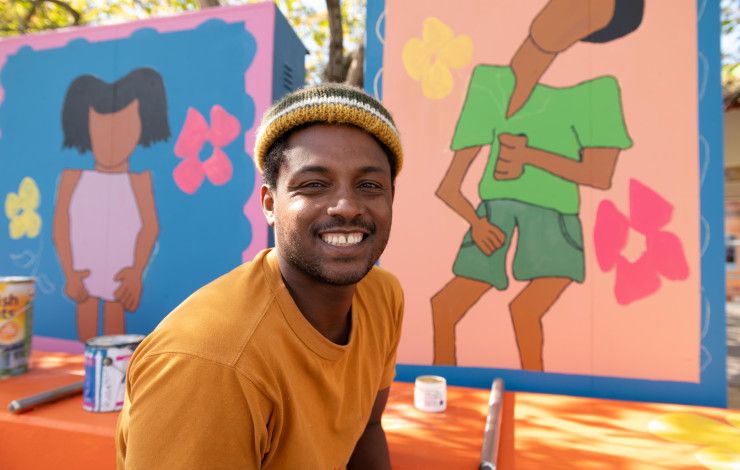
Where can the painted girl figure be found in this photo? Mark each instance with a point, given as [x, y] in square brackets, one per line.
[105, 221]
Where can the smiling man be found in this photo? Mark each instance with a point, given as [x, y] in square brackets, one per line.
[286, 361]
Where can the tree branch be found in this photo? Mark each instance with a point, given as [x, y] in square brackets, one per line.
[36, 4]
[209, 3]
[75, 14]
[23, 27]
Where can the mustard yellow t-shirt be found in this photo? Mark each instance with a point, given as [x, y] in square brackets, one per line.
[236, 377]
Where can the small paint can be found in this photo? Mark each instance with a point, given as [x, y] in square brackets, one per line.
[106, 360]
[16, 319]
[430, 393]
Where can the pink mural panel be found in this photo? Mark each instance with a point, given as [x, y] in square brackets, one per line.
[637, 312]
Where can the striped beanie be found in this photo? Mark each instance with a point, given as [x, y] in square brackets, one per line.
[329, 103]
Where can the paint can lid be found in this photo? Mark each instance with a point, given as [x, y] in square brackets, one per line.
[114, 341]
[430, 382]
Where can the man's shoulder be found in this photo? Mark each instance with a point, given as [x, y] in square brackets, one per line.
[217, 320]
[380, 284]
[381, 276]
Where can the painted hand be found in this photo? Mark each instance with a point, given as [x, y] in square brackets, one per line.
[487, 236]
[75, 289]
[129, 292]
[511, 157]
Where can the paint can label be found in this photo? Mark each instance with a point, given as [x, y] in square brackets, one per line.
[16, 314]
[106, 360]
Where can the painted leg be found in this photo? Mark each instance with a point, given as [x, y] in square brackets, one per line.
[114, 320]
[527, 310]
[87, 319]
[448, 307]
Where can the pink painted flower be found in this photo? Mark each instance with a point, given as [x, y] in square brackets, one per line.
[663, 255]
[191, 172]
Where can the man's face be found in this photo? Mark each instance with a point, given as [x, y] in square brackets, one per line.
[332, 204]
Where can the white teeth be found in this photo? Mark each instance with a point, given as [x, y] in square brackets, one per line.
[343, 239]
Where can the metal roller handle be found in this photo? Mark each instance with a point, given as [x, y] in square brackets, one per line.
[492, 433]
[25, 404]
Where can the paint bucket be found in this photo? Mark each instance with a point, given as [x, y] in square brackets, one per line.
[430, 393]
[16, 318]
[106, 360]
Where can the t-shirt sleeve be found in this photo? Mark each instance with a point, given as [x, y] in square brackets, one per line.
[599, 118]
[389, 370]
[476, 123]
[183, 412]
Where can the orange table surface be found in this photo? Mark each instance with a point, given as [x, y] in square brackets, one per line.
[538, 431]
[59, 435]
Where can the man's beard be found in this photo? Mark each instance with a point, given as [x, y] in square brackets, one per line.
[293, 252]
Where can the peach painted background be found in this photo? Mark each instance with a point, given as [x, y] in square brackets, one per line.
[586, 331]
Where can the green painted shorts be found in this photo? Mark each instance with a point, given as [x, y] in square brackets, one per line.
[550, 244]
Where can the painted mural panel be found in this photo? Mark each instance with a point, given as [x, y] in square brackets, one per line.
[548, 216]
[127, 178]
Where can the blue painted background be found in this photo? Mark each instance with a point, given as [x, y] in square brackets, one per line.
[712, 389]
[201, 235]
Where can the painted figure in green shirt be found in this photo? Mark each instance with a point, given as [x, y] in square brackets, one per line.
[544, 143]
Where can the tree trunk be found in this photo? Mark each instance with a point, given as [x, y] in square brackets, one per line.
[356, 67]
[335, 67]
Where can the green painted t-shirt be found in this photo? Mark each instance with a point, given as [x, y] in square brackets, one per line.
[563, 121]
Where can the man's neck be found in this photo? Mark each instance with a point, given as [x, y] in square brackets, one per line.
[325, 306]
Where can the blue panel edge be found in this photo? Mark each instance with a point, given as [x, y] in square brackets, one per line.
[712, 388]
[374, 36]
[288, 51]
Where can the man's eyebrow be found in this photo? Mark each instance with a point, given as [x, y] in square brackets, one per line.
[324, 170]
[372, 169]
[313, 169]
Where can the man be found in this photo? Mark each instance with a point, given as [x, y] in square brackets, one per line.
[286, 361]
[544, 142]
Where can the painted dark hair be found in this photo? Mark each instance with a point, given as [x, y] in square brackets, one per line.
[627, 18]
[144, 84]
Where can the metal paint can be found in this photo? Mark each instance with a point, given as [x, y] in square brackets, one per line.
[16, 319]
[430, 393]
[106, 360]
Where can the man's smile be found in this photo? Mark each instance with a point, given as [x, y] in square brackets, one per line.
[342, 239]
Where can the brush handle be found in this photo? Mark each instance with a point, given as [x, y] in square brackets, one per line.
[27, 403]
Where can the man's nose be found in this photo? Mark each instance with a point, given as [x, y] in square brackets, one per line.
[346, 205]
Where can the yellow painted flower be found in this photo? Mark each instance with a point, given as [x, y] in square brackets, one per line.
[21, 208]
[719, 442]
[430, 58]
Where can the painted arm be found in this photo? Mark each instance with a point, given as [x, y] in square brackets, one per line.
[129, 292]
[487, 236]
[595, 168]
[371, 450]
[74, 287]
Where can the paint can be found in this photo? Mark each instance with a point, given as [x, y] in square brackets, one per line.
[16, 319]
[106, 360]
[430, 393]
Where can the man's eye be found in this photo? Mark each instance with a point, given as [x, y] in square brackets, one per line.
[370, 185]
[313, 185]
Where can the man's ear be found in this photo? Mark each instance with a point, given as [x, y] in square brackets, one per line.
[267, 197]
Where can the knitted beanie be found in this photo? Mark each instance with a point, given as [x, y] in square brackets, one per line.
[329, 103]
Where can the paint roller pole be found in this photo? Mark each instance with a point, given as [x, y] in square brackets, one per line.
[492, 433]
[25, 404]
